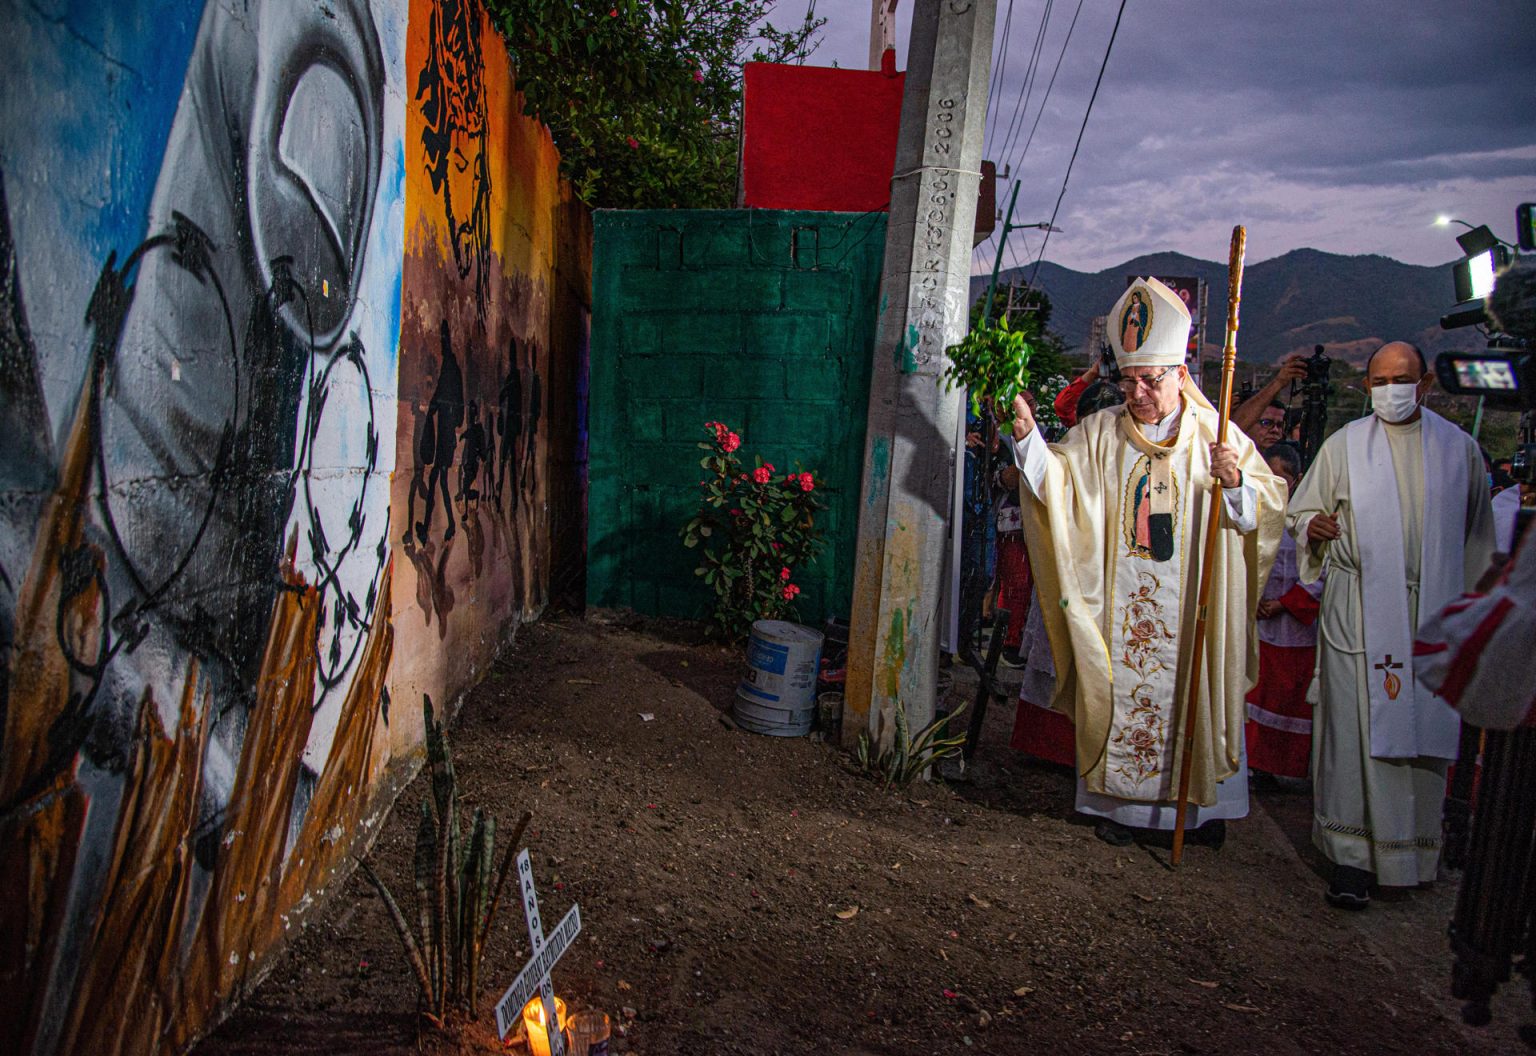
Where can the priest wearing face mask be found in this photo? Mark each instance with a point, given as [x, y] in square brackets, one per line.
[1396, 508]
[1116, 513]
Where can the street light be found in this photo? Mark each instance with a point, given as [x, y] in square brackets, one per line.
[1479, 239]
[997, 261]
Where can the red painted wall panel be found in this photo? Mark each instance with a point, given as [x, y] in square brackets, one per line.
[814, 137]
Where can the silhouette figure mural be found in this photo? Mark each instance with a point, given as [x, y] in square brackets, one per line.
[440, 442]
[509, 428]
[474, 337]
[474, 458]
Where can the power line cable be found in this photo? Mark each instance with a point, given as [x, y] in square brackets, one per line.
[1030, 77]
[1020, 105]
[998, 72]
[1051, 224]
[1050, 84]
[1019, 161]
[1021, 98]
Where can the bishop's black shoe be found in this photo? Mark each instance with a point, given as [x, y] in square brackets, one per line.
[1212, 834]
[1350, 888]
[1114, 833]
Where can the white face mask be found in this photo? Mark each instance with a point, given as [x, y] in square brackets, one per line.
[1394, 403]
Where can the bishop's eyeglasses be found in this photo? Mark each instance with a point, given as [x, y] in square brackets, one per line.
[1149, 381]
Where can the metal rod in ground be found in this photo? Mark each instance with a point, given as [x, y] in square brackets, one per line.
[986, 675]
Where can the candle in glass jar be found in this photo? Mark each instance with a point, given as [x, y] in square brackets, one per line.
[538, 1030]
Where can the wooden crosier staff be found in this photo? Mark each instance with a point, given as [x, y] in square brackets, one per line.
[1213, 525]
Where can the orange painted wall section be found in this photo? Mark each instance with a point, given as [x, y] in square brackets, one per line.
[840, 125]
[497, 270]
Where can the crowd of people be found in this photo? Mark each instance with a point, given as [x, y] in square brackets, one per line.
[1318, 581]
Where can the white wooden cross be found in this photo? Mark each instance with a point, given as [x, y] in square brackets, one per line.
[535, 974]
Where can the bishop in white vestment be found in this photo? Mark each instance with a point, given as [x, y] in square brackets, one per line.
[1396, 508]
[1115, 517]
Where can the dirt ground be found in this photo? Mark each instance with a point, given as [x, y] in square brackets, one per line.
[715, 868]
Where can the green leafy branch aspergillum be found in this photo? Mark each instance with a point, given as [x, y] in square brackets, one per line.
[992, 364]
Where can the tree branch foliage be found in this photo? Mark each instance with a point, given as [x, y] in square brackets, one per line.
[644, 98]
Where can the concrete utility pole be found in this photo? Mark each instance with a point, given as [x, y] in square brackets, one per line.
[914, 425]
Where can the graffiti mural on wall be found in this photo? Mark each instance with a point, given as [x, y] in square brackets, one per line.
[485, 218]
[450, 94]
[194, 556]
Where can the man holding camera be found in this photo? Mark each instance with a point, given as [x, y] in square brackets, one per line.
[1262, 415]
[1396, 508]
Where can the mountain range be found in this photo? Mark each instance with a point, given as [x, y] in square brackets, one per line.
[1349, 304]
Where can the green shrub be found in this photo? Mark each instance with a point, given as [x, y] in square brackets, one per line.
[755, 530]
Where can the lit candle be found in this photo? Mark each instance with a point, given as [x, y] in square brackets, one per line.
[533, 1023]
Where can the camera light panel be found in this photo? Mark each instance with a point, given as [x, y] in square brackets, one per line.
[1474, 276]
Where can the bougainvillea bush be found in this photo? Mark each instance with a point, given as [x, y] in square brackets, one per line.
[755, 529]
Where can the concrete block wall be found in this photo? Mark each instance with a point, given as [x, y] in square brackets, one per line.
[762, 319]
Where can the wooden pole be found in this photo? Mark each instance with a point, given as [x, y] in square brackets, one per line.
[1212, 527]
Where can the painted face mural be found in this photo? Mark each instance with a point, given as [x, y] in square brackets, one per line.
[276, 391]
[190, 628]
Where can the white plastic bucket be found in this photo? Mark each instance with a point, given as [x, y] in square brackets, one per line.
[778, 694]
[775, 722]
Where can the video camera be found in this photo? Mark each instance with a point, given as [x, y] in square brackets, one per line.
[1316, 382]
[1498, 287]
[1109, 367]
[1492, 926]
[1315, 390]
[1505, 375]
[1506, 379]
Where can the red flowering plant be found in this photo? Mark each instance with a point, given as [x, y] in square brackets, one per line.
[755, 529]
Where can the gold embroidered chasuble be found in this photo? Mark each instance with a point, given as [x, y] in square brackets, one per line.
[1120, 618]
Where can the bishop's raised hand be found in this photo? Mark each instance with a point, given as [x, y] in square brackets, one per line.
[1023, 418]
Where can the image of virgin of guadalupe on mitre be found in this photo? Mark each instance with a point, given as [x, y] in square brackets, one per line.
[1115, 516]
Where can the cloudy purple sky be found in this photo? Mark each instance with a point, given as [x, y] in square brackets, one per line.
[1345, 125]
